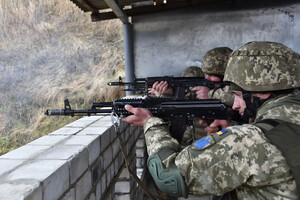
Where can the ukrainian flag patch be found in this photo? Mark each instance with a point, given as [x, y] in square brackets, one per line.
[221, 132]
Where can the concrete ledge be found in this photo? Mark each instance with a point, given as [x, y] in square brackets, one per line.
[79, 161]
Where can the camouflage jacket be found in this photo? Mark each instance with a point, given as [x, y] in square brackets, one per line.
[225, 95]
[243, 159]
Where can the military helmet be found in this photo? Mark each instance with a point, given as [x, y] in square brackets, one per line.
[215, 60]
[264, 66]
[193, 71]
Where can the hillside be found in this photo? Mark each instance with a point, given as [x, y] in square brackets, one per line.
[50, 50]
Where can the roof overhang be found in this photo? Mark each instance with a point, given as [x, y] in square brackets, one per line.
[122, 9]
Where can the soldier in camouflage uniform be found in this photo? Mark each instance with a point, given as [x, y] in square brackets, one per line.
[214, 65]
[161, 89]
[253, 161]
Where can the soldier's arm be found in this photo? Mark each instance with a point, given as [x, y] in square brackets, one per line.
[225, 95]
[217, 166]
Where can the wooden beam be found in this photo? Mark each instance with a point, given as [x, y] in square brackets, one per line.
[117, 10]
[150, 9]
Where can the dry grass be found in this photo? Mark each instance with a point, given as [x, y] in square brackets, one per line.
[50, 50]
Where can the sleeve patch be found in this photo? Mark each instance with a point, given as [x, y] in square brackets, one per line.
[221, 132]
[203, 143]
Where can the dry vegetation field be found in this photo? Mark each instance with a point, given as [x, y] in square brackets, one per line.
[50, 50]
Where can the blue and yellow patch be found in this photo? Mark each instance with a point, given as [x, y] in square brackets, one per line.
[221, 132]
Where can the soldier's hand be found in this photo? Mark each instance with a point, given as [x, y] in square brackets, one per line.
[201, 92]
[160, 88]
[216, 125]
[139, 117]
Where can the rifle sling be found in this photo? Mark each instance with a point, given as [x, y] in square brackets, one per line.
[132, 174]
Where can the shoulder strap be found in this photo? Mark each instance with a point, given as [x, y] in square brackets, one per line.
[286, 137]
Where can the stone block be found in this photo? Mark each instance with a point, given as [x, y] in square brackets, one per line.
[123, 187]
[93, 130]
[92, 197]
[83, 140]
[7, 165]
[122, 197]
[105, 140]
[98, 191]
[25, 152]
[27, 190]
[70, 195]
[140, 143]
[49, 140]
[78, 164]
[83, 186]
[80, 123]
[94, 150]
[103, 183]
[124, 174]
[66, 131]
[116, 148]
[140, 152]
[60, 152]
[107, 157]
[54, 175]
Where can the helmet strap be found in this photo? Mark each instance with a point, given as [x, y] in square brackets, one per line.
[251, 106]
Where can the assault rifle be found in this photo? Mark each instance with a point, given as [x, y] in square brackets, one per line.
[167, 108]
[180, 84]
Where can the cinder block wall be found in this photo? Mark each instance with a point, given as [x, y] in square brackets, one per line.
[81, 161]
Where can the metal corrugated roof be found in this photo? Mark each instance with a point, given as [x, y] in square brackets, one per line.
[125, 8]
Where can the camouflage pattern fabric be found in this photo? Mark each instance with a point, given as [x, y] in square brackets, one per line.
[225, 95]
[193, 71]
[244, 160]
[215, 60]
[264, 66]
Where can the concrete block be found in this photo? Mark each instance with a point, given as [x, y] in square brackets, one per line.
[140, 162]
[48, 140]
[107, 157]
[103, 183]
[124, 174]
[54, 175]
[60, 152]
[70, 195]
[94, 150]
[122, 197]
[140, 143]
[98, 191]
[78, 164]
[97, 172]
[66, 131]
[117, 163]
[103, 122]
[122, 187]
[112, 170]
[80, 123]
[91, 118]
[83, 140]
[83, 186]
[27, 190]
[105, 140]
[92, 197]
[108, 177]
[93, 130]
[140, 152]
[25, 152]
[7, 165]
[116, 148]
